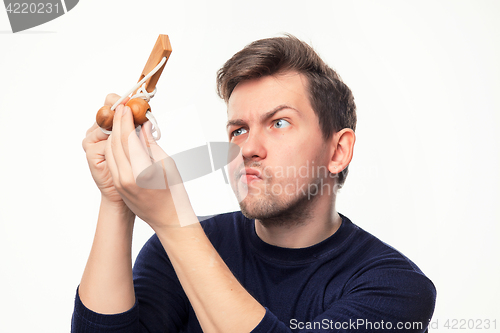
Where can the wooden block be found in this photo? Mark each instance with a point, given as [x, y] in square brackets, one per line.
[161, 49]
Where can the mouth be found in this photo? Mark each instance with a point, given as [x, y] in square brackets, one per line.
[249, 175]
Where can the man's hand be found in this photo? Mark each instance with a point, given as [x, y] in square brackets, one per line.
[106, 285]
[94, 145]
[148, 181]
[145, 176]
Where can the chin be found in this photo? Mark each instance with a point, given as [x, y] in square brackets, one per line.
[276, 212]
[259, 208]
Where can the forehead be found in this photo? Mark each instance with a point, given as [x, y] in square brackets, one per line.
[257, 96]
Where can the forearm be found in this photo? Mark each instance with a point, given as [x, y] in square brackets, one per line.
[106, 286]
[220, 302]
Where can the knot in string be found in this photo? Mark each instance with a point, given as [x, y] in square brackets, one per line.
[144, 94]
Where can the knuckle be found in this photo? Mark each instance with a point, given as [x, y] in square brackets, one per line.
[91, 128]
[118, 186]
[111, 99]
[126, 184]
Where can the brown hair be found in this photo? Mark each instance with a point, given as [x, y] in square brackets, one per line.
[330, 98]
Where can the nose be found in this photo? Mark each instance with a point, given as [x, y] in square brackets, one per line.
[253, 148]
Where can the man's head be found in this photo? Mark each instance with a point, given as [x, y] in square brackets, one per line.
[286, 108]
[330, 98]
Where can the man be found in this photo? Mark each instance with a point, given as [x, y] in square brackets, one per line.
[288, 261]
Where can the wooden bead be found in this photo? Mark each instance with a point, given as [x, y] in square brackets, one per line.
[104, 117]
[139, 108]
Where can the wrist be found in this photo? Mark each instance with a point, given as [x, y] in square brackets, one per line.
[172, 220]
[174, 235]
[118, 207]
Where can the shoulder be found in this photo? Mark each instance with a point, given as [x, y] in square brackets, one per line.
[377, 268]
[371, 252]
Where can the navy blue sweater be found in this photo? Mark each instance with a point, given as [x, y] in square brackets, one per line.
[350, 282]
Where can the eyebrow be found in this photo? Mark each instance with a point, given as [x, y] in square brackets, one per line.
[263, 118]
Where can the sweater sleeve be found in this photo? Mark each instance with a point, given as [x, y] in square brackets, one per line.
[381, 300]
[86, 320]
[161, 304]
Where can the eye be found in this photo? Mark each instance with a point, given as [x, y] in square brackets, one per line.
[281, 123]
[238, 132]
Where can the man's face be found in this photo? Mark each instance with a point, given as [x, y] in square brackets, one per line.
[284, 157]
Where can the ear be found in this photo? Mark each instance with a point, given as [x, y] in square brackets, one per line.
[342, 147]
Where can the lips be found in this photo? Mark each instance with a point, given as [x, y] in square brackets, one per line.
[248, 175]
[250, 172]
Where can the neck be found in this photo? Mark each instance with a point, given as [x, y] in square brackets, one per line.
[321, 222]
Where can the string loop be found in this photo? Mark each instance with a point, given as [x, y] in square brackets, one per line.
[144, 94]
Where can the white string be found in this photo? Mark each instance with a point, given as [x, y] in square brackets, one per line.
[139, 84]
[144, 94]
[156, 129]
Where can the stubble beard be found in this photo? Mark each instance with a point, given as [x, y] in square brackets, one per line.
[285, 210]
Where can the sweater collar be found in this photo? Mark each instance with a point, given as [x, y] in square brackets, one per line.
[301, 255]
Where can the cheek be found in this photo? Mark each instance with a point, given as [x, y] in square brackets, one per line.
[282, 161]
[234, 166]
[294, 155]
[298, 165]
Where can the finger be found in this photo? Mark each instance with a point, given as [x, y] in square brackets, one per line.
[93, 137]
[94, 126]
[110, 160]
[100, 147]
[149, 141]
[153, 176]
[121, 160]
[112, 98]
[142, 137]
[127, 128]
[139, 156]
[116, 124]
[97, 153]
[97, 135]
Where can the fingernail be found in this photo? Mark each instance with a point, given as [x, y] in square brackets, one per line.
[126, 109]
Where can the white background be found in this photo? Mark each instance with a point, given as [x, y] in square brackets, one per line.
[425, 174]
